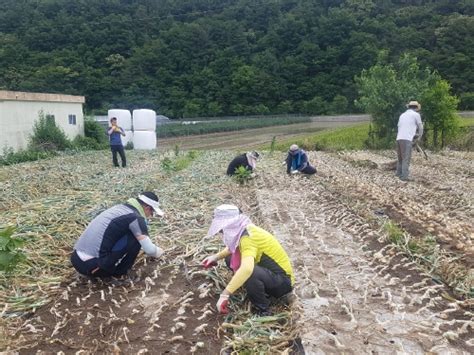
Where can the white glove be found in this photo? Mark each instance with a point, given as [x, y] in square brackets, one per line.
[222, 304]
[209, 261]
[159, 252]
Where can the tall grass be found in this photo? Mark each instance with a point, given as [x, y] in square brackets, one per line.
[344, 138]
[356, 138]
[464, 140]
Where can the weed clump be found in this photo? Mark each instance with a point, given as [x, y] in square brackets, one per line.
[242, 175]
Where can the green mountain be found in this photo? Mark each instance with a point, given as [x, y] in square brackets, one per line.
[225, 57]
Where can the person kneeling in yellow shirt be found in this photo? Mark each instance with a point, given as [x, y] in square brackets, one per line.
[259, 262]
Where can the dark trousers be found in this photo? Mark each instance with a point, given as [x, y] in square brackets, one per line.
[263, 284]
[118, 149]
[117, 262]
[309, 170]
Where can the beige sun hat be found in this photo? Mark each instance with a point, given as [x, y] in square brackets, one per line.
[414, 103]
[294, 148]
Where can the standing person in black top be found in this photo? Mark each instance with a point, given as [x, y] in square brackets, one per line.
[115, 132]
[247, 160]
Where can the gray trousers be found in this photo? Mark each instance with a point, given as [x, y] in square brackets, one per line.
[404, 148]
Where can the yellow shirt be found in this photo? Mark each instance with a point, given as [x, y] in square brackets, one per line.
[261, 248]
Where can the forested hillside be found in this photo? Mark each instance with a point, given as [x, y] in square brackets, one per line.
[221, 57]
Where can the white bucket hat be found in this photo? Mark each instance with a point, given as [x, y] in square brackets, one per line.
[150, 201]
[224, 215]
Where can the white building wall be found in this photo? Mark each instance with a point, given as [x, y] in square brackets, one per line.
[17, 120]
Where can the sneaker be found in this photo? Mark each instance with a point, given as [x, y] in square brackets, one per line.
[266, 313]
[288, 299]
[261, 312]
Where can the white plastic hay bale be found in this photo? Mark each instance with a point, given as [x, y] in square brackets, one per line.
[124, 118]
[128, 138]
[144, 120]
[144, 140]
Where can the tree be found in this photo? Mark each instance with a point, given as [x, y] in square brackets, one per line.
[384, 90]
[316, 106]
[338, 105]
[439, 111]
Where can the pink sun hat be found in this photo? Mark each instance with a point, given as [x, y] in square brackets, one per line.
[224, 215]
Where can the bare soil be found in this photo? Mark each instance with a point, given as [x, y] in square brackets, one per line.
[158, 307]
[358, 293]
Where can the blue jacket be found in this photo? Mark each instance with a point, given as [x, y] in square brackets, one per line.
[296, 160]
[115, 137]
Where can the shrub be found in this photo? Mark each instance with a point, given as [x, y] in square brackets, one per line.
[10, 157]
[94, 130]
[467, 101]
[86, 143]
[10, 255]
[242, 175]
[47, 136]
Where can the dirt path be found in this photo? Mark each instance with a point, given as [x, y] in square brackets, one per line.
[359, 295]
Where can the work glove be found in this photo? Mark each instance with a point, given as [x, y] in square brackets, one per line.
[210, 261]
[222, 304]
[159, 252]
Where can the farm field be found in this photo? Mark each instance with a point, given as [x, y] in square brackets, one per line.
[360, 288]
[253, 138]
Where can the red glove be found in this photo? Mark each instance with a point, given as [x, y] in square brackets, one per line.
[222, 304]
[210, 261]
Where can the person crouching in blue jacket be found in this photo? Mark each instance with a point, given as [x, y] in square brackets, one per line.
[297, 161]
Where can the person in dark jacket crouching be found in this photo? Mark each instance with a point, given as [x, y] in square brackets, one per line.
[247, 160]
[297, 161]
[111, 242]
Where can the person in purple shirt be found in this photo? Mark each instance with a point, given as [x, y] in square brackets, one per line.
[115, 132]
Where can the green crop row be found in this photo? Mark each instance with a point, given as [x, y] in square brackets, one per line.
[202, 127]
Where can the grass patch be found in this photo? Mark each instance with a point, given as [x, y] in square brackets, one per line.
[344, 138]
[464, 140]
[355, 138]
[180, 162]
[10, 157]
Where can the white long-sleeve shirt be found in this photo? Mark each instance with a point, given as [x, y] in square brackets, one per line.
[409, 124]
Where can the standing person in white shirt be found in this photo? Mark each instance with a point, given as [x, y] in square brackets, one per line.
[410, 127]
